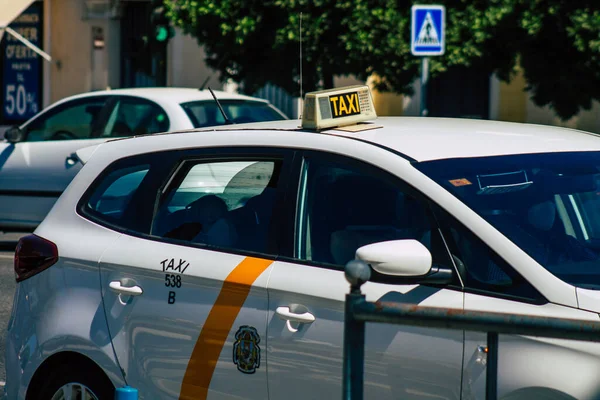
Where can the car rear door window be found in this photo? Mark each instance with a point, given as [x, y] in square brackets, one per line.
[226, 204]
[115, 191]
[135, 116]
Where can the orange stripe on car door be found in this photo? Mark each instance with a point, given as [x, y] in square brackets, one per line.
[218, 324]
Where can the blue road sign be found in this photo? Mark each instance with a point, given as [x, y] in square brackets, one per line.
[428, 30]
[21, 72]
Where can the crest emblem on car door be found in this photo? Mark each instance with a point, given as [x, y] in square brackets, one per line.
[246, 352]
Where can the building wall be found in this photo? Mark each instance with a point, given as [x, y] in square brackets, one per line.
[77, 67]
[388, 104]
[587, 120]
[512, 99]
[186, 67]
[47, 68]
[516, 105]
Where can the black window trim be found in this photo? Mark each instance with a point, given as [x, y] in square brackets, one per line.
[169, 164]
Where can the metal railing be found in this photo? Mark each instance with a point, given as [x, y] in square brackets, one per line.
[358, 311]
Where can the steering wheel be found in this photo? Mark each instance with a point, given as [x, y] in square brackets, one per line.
[62, 135]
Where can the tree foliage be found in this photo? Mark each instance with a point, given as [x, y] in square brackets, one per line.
[254, 42]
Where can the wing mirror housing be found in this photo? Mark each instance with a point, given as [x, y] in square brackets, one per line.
[407, 259]
[14, 135]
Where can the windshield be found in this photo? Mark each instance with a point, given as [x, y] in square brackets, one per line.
[547, 204]
[207, 113]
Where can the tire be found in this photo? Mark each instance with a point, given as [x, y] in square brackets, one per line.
[78, 380]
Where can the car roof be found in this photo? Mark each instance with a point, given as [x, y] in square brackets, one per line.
[170, 94]
[427, 138]
[415, 138]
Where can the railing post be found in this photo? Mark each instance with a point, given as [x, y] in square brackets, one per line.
[491, 370]
[357, 272]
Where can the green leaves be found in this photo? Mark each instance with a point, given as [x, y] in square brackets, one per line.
[255, 42]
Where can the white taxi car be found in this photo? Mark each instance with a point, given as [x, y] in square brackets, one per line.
[211, 266]
[38, 159]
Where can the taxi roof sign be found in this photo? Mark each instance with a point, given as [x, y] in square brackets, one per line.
[338, 107]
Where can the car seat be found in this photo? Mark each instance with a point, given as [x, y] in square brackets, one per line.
[252, 221]
[406, 219]
[194, 222]
[362, 210]
[121, 129]
[542, 215]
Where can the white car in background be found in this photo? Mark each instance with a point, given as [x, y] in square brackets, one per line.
[210, 265]
[38, 160]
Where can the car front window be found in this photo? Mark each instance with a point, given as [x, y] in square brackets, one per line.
[547, 204]
[207, 113]
[77, 119]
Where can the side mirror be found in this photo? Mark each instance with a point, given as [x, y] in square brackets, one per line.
[407, 258]
[14, 135]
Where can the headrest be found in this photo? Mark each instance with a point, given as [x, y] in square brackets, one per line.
[351, 194]
[542, 215]
[207, 209]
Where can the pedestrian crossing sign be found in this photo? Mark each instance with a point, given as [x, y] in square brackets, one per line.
[428, 30]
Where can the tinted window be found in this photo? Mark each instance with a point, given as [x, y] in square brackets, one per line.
[342, 208]
[226, 204]
[207, 113]
[135, 116]
[78, 119]
[114, 192]
[480, 267]
[545, 203]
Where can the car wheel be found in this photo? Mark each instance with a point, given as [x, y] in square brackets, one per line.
[77, 385]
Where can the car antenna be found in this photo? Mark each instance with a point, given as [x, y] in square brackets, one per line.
[301, 100]
[227, 121]
[205, 82]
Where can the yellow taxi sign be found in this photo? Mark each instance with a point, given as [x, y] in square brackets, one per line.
[338, 107]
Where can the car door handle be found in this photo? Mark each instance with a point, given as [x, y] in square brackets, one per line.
[72, 159]
[285, 313]
[116, 286]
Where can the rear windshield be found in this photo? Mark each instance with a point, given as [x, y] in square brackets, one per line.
[547, 204]
[207, 113]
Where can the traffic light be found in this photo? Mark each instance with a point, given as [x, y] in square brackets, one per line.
[161, 30]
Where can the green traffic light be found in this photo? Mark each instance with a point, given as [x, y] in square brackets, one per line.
[162, 33]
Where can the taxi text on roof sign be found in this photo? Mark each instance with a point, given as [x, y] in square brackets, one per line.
[338, 107]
